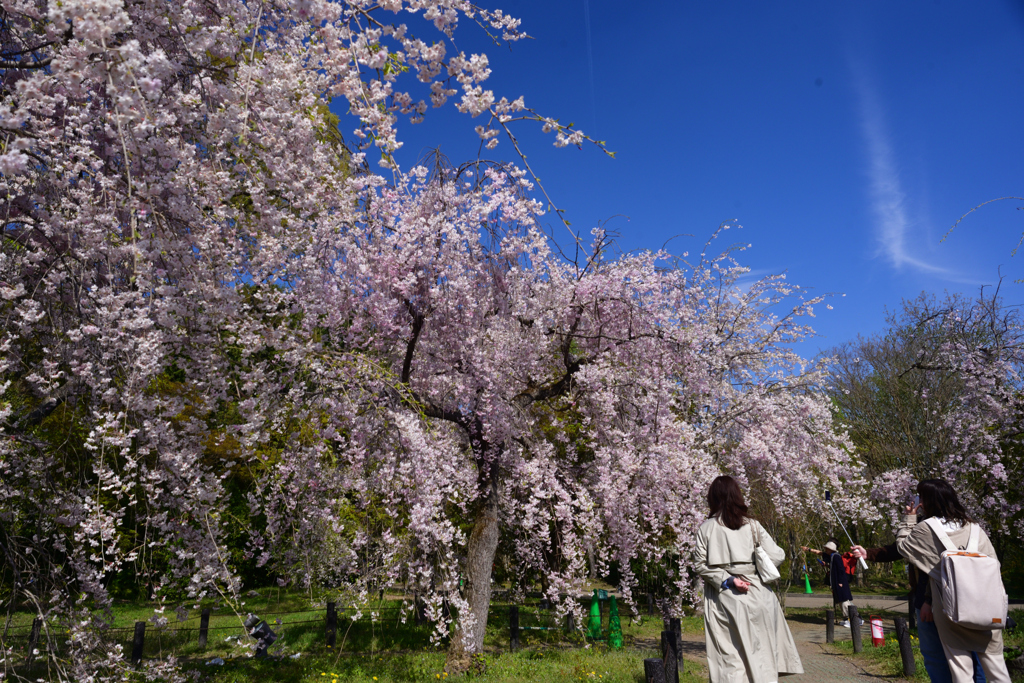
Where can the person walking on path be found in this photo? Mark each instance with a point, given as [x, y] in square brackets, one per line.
[746, 634]
[920, 544]
[839, 580]
[928, 636]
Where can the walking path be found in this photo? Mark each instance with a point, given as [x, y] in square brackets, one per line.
[820, 665]
[886, 602]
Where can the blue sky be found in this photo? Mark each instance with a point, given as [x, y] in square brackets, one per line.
[846, 138]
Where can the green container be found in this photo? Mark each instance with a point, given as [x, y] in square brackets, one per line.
[594, 625]
[614, 626]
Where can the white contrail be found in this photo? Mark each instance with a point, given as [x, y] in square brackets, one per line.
[887, 196]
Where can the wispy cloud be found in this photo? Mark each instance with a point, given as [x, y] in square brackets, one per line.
[888, 200]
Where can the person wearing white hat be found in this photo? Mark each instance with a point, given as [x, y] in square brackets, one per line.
[839, 580]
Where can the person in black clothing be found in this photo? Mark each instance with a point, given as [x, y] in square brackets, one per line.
[839, 580]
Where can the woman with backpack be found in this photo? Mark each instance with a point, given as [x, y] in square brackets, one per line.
[747, 638]
[947, 535]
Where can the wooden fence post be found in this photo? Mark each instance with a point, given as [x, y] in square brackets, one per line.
[855, 629]
[654, 671]
[906, 649]
[570, 622]
[675, 625]
[650, 605]
[33, 639]
[138, 642]
[671, 650]
[332, 624]
[421, 610]
[204, 627]
[830, 626]
[513, 627]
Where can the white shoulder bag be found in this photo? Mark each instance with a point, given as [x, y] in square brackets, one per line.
[766, 569]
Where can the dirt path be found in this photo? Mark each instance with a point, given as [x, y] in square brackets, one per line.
[820, 665]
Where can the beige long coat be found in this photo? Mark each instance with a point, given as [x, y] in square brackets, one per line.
[747, 638]
[919, 544]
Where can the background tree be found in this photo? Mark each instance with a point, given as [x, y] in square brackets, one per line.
[938, 394]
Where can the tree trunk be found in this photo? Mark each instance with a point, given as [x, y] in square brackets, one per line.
[483, 545]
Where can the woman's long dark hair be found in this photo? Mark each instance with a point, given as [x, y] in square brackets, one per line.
[940, 500]
[726, 500]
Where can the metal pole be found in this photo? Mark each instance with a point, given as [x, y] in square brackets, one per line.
[860, 560]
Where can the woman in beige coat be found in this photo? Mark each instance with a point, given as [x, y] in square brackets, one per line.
[919, 544]
[747, 638]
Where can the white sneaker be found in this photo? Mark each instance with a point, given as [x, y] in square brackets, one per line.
[846, 624]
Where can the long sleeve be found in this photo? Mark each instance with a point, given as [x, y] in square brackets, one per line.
[917, 543]
[777, 554]
[907, 525]
[887, 553]
[713, 575]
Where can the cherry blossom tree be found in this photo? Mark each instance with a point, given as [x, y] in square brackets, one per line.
[164, 168]
[203, 284]
[574, 400]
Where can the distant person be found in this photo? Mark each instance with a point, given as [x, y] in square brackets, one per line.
[745, 630]
[931, 647]
[839, 580]
[919, 543]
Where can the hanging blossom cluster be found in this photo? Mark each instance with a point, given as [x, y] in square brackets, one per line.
[985, 463]
[218, 324]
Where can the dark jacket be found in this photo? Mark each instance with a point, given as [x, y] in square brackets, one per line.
[840, 579]
[918, 588]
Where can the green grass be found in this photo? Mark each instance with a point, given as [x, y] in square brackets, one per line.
[385, 648]
[886, 660]
[594, 664]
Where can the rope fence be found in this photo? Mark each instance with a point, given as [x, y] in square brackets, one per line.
[536, 614]
[538, 617]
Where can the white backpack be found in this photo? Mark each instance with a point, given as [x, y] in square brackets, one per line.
[972, 588]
